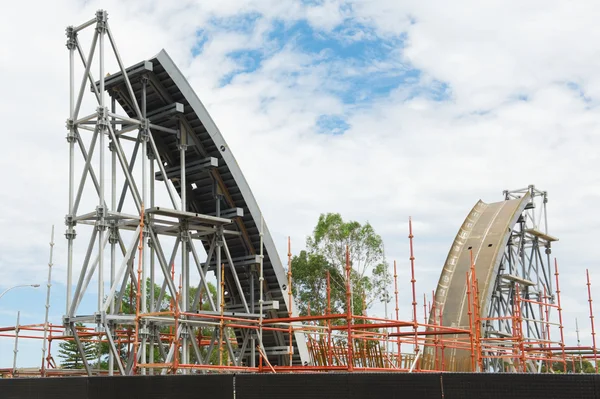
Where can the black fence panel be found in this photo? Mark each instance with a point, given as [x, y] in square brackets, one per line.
[162, 387]
[292, 386]
[526, 386]
[43, 388]
[309, 385]
[394, 386]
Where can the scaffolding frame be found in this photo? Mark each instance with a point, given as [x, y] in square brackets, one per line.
[181, 336]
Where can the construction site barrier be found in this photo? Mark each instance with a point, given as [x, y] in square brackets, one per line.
[300, 385]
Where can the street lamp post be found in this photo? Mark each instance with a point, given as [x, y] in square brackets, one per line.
[18, 286]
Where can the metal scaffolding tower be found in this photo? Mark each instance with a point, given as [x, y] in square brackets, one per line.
[148, 139]
[525, 266]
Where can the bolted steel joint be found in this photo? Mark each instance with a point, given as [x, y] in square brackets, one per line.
[145, 126]
[184, 235]
[144, 331]
[149, 152]
[185, 333]
[70, 234]
[71, 36]
[70, 220]
[100, 318]
[72, 136]
[113, 237]
[101, 212]
[101, 20]
[70, 124]
[111, 146]
[102, 117]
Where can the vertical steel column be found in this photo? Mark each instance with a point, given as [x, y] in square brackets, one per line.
[16, 349]
[113, 232]
[144, 139]
[70, 233]
[102, 121]
[48, 285]
[261, 280]
[152, 331]
[184, 247]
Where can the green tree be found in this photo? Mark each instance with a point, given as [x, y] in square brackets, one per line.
[580, 367]
[310, 284]
[326, 251]
[71, 357]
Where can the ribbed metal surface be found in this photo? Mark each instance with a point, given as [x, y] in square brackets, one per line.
[167, 85]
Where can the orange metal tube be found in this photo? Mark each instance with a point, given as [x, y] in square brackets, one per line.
[589, 288]
[138, 294]
[349, 312]
[290, 300]
[470, 314]
[398, 344]
[560, 323]
[412, 282]
[329, 343]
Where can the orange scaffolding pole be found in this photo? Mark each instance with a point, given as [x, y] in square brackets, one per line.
[560, 323]
[349, 312]
[138, 294]
[399, 356]
[412, 282]
[290, 300]
[589, 289]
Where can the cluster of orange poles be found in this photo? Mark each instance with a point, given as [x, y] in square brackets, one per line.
[349, 342]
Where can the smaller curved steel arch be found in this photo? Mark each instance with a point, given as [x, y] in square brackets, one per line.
[484, 233]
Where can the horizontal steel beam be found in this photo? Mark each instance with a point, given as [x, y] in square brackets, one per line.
[117, 79]
[190, 168]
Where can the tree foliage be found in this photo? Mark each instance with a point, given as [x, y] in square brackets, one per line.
[71, 357]
[583, 366]
[326, 251]
[97, 354]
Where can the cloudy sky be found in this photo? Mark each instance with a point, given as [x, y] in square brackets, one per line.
[379, 110]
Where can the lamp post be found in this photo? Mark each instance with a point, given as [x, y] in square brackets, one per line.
[18, 286]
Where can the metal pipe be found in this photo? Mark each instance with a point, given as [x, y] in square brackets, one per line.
[71, 140]
[101, 204]
[18, 286]
[412, 282]
[562, 337]
[261, 280]
[290, 300]
[589, 287]
[399, 356]
[48, 285]
[349, 312]
[16, 349]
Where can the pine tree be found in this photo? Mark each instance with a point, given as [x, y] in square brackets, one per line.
[71, 358]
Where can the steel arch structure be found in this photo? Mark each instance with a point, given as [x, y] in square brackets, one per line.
[146, 128]
[508, 246]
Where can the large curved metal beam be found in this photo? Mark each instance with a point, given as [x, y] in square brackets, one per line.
[220, 188]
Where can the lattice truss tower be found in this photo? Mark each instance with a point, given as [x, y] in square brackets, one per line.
[155, 194]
